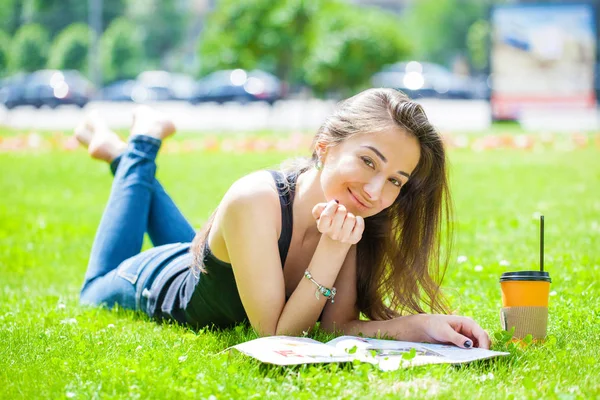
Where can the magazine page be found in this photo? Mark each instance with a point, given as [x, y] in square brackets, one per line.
[286, 350]
[393, 354]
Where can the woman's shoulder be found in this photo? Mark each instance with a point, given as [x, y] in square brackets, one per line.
[255, 189]
[250, 207]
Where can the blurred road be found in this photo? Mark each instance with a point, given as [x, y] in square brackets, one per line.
[289, 115]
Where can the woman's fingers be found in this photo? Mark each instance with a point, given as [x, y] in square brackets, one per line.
[338, 222]
[347, 227]
[334, 220]
[358, 230]
[458, 339]
[461, 331]
[471, 329]
[326, 218]
[318, 209]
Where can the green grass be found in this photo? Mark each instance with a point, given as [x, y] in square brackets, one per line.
[50, 347]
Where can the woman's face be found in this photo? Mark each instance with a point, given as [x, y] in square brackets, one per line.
[366, 171]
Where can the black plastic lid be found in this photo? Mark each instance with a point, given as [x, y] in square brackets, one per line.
[526, 276]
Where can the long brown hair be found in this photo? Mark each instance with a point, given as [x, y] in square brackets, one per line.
[400, 263]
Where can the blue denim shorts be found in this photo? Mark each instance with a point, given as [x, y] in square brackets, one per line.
[128, 285]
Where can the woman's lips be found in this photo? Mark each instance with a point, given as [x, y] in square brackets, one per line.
[356, 200]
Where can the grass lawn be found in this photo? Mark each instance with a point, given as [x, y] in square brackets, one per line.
[50, 347]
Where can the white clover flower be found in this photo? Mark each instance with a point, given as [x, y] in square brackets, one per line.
[461, 259]
[485, 377]
[504, 263]
[478, 268]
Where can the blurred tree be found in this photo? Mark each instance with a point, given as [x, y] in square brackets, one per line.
[29, 48]
[122, 52]
[349, 44]
[439, 27]
[257, 33]
[56, 15]
[4, 52]
[162, 25]
[329, 44]
[10, 15]
[478, 43]
[70, 48]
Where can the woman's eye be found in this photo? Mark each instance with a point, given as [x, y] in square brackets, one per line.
[368, 162]
[396, 182]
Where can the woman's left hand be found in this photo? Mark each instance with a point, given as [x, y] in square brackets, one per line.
[461, 331]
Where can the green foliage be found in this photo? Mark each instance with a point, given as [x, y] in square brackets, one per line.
[121, 50]
[478, 44]
[163, 27]
[257, 33]
[349, 44]
[439, 27]
[4, 52]
[410, 354]
[56, 15]
[10, 13]
[29, 48]
[328, 44]
[70, 48]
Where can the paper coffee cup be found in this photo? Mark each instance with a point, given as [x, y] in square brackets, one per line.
[525, 303]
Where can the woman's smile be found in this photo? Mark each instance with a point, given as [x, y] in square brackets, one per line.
[360, 204]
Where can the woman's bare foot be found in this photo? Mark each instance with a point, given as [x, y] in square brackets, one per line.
[147, 121]
[84, 131]
[102, 143]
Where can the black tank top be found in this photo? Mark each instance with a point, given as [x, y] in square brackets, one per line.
[212, 298]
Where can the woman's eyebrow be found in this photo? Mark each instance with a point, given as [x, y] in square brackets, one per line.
[407, 175]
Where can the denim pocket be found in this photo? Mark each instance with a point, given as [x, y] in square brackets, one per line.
[130, 269]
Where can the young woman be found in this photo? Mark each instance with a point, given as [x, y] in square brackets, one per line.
[354, 229]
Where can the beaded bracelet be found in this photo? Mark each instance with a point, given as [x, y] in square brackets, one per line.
[329, 293]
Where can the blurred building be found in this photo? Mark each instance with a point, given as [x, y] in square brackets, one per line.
[544, 63]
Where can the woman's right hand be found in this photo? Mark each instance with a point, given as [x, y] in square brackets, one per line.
[337, 223]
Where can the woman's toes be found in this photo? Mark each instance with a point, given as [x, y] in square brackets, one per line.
[147, 121]
[106, 145]
[83, 133]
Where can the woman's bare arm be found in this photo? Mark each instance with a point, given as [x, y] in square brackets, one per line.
[342, 317]
[249, 227]
[430, 328]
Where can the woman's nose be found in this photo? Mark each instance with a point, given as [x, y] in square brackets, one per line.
[374, 187]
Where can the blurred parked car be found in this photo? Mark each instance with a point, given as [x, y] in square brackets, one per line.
[132, 90]
[150, 86]
[423, 79]
[47, 87]
[238, 85]
[178, 86]
[11, 89]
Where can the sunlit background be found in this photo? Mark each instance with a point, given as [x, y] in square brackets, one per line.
[284, 64]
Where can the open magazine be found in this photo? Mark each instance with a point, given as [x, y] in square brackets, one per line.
[387, 354]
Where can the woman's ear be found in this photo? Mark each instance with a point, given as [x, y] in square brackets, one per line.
[321, 149]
